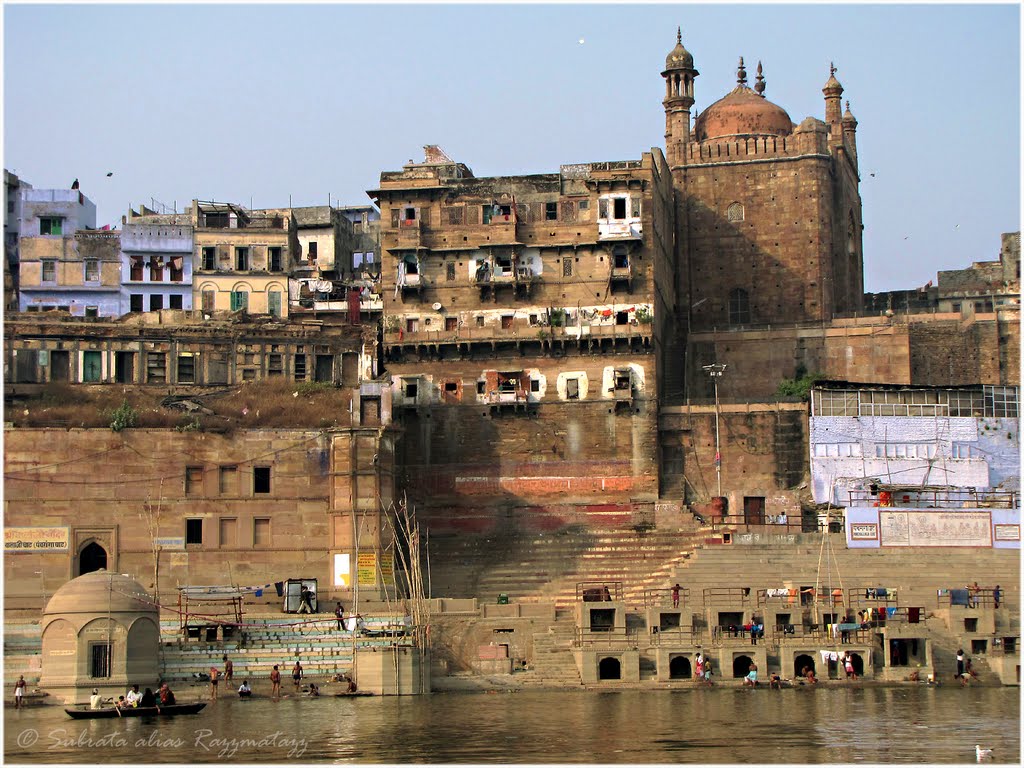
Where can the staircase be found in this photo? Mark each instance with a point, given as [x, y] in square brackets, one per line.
[554, 665]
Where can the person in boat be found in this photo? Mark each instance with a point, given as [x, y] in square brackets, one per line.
[166, 696]
[133, 696]
[121, 703]
[244, 689]
[148, 698]
[95, 701]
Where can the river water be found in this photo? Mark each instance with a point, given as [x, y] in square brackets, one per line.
[822, 725]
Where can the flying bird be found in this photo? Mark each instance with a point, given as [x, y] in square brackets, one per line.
[110, 173]
[982, 753]
[872, 175]
[581, 41]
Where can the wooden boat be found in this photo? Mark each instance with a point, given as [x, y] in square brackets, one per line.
[166, 711]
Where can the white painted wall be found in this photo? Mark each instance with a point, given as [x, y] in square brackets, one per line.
[962, 452]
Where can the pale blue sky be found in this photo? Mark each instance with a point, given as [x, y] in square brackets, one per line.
[253, 103]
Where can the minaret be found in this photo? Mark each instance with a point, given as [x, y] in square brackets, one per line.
[850, 133]
[833, 91]
[679, 74]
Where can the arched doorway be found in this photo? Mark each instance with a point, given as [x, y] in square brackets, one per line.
[801, 661]
[93, 557]
[679, 668]
[741, 666]
[609, 669]
[858, 664]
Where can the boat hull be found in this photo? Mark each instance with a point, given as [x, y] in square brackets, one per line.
[168, 711]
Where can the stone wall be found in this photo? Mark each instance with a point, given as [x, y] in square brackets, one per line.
[263, 499]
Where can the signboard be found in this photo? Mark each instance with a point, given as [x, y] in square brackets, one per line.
[342, 570]
[36, 540]
[387, 567]
[927, 528]
[171, 542]
[864, 531]
[1007, 532]
[366, 568]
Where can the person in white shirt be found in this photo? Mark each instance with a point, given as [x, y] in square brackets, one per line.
[133, 696]
[94, 700]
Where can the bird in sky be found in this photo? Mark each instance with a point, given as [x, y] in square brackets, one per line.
[982, 753]
[872, 175]
[110, 173]
[581, 41]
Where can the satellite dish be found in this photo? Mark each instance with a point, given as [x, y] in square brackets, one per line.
[437, 306]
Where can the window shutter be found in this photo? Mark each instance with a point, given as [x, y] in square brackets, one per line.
[395, 214]
[536, 212]
[568, 211]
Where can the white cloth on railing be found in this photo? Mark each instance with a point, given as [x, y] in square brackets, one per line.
[777, 592]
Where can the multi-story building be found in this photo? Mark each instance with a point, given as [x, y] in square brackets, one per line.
[528, 295]
[156, 268]
[64, 262]
[12, 232]
[321, 269]
[241, 258]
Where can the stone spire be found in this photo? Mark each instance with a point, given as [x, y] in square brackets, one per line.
[833, 91]
[759, 85]
[679, 75]
[741, 74]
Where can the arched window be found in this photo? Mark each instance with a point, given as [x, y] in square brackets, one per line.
[734, 212]
[739, 307]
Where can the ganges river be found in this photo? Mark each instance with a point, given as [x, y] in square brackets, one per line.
[726, 725]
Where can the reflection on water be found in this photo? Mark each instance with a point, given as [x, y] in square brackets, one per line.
[824, 725]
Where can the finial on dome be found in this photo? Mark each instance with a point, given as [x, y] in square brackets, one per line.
[759, 85]
[679, 35]
[741, 74]
[847, 105]
[831, 68]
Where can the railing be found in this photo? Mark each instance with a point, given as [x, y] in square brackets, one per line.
[522, 332]
[729, 596]
[614, 637]
[822, 633]
[654, 598]
[774, 523]
[506, 398]
[676, 636]
[598, 591]
[969, 597]
[962, 498]
[828, 596]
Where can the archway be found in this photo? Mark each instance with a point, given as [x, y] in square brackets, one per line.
[858, 664]
[93, 557]
[679, 668]
[801, 661]
[741, 666]
[609, 669]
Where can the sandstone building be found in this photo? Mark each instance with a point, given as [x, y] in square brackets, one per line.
[525, 354]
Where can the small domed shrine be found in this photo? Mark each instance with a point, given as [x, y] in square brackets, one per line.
[100, 630]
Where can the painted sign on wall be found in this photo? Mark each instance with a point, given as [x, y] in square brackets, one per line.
[926, 528]
[36, 539]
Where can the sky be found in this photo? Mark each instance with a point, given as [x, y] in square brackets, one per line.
[264, 104]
